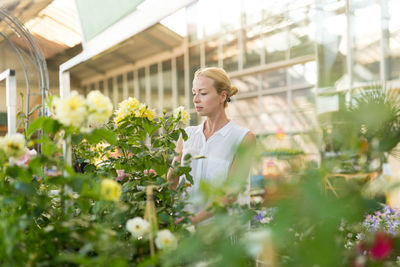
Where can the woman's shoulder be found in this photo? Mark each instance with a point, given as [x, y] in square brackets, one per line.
[241, 130]
[241, 134]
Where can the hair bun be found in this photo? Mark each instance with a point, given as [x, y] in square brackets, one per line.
[233, 91]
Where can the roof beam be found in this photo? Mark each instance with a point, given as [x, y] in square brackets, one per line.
[155, 41]
[92, 67]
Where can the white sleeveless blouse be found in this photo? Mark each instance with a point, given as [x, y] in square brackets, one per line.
[216, 154]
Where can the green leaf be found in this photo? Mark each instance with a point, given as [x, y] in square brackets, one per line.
[184, 134]
[25, 188]
[76, 138]
[49, 148]
[150, 127]
[189, 178]
[51, 126]
[19, 173]
[34, 109]
[34, 126]
[175, 135]
[163, 217]
[99, 134]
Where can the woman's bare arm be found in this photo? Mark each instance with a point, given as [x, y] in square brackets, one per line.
[244, 157]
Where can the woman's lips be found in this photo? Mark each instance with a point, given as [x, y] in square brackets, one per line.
[199, 108]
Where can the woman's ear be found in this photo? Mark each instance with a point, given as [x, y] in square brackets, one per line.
[224, 97]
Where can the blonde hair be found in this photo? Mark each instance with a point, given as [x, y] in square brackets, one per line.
[221, 81]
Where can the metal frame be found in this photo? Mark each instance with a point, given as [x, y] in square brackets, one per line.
[34, 54]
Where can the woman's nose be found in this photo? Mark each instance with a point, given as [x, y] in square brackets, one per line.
[195, 98]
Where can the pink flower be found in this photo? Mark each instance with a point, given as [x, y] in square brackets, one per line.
[121, 175]
[382, 246]
[150, 172]
[26, 158]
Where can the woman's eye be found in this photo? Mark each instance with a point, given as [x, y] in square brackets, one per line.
[203, 93]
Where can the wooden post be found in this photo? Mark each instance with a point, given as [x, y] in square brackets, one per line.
[151, 216]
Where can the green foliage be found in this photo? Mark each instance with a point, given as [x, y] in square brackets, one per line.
[54, 214]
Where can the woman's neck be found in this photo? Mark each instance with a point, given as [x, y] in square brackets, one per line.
[214, 123]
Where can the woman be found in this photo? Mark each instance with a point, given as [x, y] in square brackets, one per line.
[216, 140]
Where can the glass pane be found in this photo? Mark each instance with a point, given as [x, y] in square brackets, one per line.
[194, 65]
[282, 120]
[193, 25]
[331, 41]
[270, 126]
[142, 85]
[153, 87]
[367, 46]
[392, 39]
[180, 73]
[274, 79]
[230, 18]
[252, 11]
[194, 60]
[210, 15]
[303, 120]
[248, 83]
[274, 8]
[274, 103]
[211, 48]
[252, 47]
[231, 110]
[230, 52]
[301, 34]
[167, 84]
[254, 125]
[276, 44]
[303, 73]
[247, 107]
[120, 88]
[131, 90]
[303, 99]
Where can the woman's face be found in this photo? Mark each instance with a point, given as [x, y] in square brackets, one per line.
[205, 97]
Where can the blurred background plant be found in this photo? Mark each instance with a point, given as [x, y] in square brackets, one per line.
[362, 133]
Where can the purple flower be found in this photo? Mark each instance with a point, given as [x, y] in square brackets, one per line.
[388, 209]
[258, 217]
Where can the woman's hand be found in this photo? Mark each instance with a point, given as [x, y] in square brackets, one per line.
[179, 220]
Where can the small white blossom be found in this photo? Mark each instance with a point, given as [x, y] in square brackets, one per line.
[13, 145]
[137, 226]
[100, 108]
[165, 239]
[72, 110]
[180, 112]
